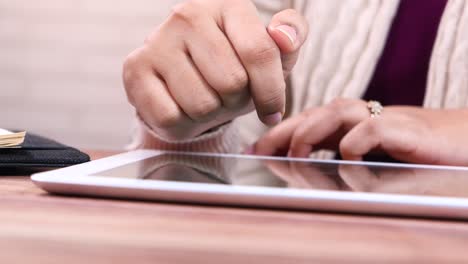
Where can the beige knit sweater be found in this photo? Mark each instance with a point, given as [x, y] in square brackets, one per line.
[345, 42]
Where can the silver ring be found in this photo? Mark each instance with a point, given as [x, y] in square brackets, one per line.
[375, 108]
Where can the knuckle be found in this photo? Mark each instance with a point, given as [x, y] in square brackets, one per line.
[188, 13]
[338, 104]
[373, 126]
[132, 73]
[272, 99]
[330, 113]
[260, 53]
[301, 133]
[168, 119]
[204, 109]
[235, 82]
[131, 67]
[297, 139]
[345, 146]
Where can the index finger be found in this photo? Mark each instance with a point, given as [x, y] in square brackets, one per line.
[277, 140]
[260, 57]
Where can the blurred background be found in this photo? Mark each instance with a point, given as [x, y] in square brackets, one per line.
[60, 66]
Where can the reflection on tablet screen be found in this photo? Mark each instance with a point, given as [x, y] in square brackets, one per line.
[282, 173]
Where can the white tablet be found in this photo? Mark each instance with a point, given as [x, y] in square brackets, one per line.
[269, 182]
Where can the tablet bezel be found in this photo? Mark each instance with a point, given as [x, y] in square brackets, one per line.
[79, 180]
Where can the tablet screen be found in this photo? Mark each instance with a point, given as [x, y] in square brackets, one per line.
[295, 173]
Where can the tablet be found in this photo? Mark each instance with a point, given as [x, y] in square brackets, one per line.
[269, 182]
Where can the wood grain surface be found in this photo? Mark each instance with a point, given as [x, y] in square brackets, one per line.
[39, 228]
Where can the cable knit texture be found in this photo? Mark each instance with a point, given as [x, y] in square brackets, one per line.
[345, 42]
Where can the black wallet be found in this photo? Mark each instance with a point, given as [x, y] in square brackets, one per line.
[40, 152]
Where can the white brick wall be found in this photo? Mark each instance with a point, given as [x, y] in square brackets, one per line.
[60, 66]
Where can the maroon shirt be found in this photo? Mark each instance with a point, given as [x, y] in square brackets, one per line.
[401, 73]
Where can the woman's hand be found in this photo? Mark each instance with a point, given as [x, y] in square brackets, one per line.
[409, 134]
[208, 62]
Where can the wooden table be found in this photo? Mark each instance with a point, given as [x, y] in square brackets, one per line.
[39, 228]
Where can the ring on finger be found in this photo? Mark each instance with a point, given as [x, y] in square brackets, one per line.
[375, 108]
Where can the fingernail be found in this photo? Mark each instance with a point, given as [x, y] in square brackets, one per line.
[250, 150]
[289, 31]
[273, 119]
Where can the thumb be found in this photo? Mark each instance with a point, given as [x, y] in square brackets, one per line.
[289, 30]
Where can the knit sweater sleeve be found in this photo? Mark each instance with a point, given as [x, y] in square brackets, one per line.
[222, 139]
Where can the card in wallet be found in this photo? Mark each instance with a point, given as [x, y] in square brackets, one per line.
[40, 152]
